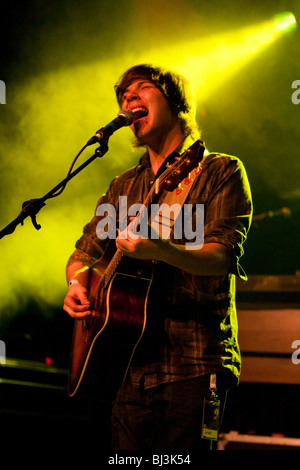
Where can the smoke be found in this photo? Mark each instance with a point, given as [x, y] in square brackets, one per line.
[61, 69]
[56, 114]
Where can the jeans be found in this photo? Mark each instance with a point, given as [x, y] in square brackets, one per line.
[167, 417]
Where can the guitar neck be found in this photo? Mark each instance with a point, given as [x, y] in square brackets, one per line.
[111, 267]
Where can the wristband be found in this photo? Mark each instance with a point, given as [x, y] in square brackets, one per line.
[73, 281]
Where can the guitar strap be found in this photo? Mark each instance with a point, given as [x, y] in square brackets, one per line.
[164, 219]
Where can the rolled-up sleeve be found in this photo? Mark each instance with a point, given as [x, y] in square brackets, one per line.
[228, 209]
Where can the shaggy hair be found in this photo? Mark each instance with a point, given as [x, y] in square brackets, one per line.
[174, 86]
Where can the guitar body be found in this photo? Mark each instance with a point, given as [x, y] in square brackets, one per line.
[103, 346]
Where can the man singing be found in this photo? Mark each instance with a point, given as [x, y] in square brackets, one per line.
[191, 306]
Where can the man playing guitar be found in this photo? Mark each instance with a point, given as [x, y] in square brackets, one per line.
[190, 333]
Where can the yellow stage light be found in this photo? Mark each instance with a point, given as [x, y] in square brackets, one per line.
[57, 111]
[210, 62]
[284, 22]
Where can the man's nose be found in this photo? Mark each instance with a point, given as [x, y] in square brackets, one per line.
[131, 96]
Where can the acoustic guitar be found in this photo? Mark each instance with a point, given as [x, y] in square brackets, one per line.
[103, 346]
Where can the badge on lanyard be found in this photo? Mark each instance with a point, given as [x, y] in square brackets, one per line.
[211, 412]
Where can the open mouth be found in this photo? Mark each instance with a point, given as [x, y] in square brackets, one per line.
[140, 112]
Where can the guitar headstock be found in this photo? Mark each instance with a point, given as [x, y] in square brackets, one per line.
[183, 164]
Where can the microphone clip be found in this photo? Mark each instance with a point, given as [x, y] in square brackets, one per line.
[100, 151]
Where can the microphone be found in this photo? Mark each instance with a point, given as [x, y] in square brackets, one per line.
[125, 118]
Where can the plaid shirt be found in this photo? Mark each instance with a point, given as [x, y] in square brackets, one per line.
[191, 320]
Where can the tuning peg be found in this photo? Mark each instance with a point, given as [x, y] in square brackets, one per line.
[178, 190]
[198, 170]
[188, 180]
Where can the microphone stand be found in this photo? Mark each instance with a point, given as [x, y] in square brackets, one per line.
[33, 206]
